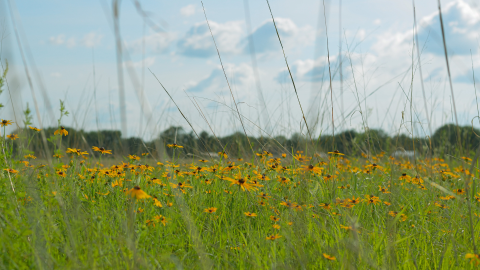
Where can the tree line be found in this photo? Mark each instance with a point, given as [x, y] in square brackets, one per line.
[445, 140]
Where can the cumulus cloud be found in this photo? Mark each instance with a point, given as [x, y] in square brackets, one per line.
[188, 11]
[317, 70]
[461, 24]
[156, 43]
[148, 62]
[241, 79]
[266, 40]
[231, 38]
[198, 42]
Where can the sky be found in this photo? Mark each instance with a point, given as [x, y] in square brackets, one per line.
[366, 49]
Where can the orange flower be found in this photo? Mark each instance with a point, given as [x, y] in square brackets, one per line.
[138, 193]
[102, 150]
[210, 210]
[273, 237]
[328, 257]
[61, 131]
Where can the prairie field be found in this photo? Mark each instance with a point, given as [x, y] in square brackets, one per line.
[293, 210]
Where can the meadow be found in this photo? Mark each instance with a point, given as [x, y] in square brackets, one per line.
[295, 210]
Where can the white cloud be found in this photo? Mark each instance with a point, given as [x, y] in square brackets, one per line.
[230, 38]
[266, 40]
[241, 80]
[317, 70]
[91, 39]
[71, 42]
[155, 43]
[377, 22]
[58, 40]
[188, 10]
[56, 74]
[198, 42]
[148, 62]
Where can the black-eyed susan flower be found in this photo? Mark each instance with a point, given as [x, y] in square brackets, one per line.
[34, 128]
[73, 151]
[180, 185]
[372, 199]
[441, 205]
[248, 214]
[61, 131]
[474, 258]
[328, 177]
[161, 219]
[241, 182]
[273, 237]
[138, 193]
[12, 136]
[101, 150]
[133, 157]
[157, 203]
[329, 257]
[210, 210]
[174, 145]
[11, 170]
[383, 189]
[312, 168]
[459, 191]
[326, 206]
[222, 154]
[404, 176]
[230, 167]
[374, 166]
[335, 153]
[301, 158]
[274, 218]
[5, 123]
[283, 180]
[288, 203]
[61, 174]
[264, 196]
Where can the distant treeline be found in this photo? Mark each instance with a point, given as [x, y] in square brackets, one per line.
[444, 141]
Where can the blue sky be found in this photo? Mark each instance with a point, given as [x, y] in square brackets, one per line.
[72, 45]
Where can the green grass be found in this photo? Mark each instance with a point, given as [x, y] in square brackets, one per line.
[68, 222]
